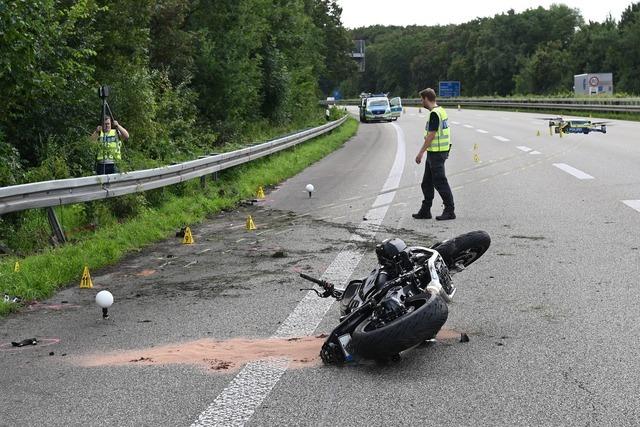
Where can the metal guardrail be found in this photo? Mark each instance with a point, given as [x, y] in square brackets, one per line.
[76, 190]
[629, 105]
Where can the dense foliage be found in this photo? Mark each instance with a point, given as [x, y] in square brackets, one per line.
[186, 76]
[534, 52]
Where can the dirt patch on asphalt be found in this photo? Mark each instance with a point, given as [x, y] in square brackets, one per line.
[229, 355]
[218, 356]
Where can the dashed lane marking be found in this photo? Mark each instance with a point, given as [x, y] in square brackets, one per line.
[501, 138]
[573, 171]
[468, 126]
[523, 148]
[535, 152]
[482, 131]
[235, 405]
[633, 204]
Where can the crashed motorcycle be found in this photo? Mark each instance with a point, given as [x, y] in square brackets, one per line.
[402, 302]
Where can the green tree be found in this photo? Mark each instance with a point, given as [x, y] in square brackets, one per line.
[629, 53]
[45, 70]
[548, 70]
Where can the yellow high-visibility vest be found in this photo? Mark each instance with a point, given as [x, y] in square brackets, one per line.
[442, 140]
[109, 145]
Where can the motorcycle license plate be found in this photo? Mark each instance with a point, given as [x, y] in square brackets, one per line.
[344, 340]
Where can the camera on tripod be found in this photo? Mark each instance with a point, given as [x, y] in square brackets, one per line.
[103, 92]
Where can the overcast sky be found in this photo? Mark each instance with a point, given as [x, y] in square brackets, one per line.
[361, 13]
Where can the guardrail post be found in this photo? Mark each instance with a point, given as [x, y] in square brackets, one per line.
[203, 178]
[214, 176]
[55, 225]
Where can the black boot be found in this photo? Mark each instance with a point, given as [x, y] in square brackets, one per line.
[448, 213]
[423, 213]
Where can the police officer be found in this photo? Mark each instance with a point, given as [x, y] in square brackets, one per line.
[109, 145]
[436, 144]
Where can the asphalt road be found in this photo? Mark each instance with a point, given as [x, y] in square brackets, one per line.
[551, 309]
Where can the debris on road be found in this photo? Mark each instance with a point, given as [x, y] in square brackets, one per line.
[279, 254]
[464, 337]
[28, 341]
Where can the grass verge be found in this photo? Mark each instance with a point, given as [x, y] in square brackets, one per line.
[40, 275]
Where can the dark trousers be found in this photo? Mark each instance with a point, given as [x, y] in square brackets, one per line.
[435, 178]
[105, 168]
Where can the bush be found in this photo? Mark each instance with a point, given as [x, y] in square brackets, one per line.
[10, 167]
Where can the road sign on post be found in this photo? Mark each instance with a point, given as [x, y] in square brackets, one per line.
[449, 89]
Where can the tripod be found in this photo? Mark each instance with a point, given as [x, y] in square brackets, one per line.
[105, 166]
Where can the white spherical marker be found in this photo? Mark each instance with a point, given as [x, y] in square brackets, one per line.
[104, 299]
[310, 188]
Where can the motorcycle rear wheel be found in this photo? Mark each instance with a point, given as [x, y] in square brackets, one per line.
[464, 249]
[423, 322]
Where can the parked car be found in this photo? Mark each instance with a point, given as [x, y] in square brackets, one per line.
[375, 108]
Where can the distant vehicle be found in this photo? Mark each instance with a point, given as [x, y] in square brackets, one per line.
[560, 125]
[374, 108]
[396, 107]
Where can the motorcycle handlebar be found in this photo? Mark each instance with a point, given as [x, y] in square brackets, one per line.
[313, 279]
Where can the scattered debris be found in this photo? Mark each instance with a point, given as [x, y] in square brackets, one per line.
[464, 337]
[11, 298]
[217, 364]
[28, 341]
[51, 353]
[279, 254]
[142, 359]
[144, 321]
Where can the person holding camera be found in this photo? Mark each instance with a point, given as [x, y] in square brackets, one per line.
[110, 142]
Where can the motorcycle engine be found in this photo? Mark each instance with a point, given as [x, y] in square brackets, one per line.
[391, 307]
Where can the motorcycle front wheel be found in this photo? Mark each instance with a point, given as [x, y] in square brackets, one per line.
[428, 312]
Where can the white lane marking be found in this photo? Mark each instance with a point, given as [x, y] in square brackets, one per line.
[481, 131]
[455, 123]
[501, 138]
[235, 405]
[535, 152]
[523, 148]
[468, 126]
[633, 204]
[572, 171]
